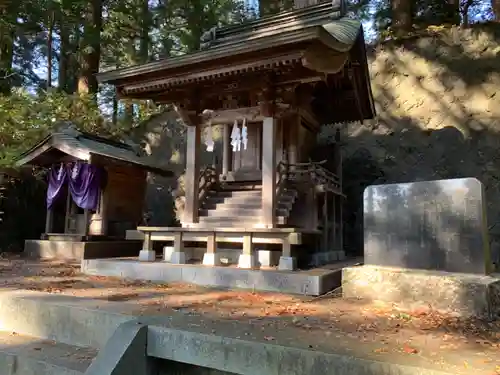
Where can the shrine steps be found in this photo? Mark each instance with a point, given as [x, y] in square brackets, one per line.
[240, 205]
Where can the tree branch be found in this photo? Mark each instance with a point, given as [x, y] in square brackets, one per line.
[8, 76]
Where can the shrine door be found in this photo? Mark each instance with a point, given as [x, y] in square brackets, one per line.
[247, 164]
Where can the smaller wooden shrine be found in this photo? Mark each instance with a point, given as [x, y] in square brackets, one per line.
[96, 190]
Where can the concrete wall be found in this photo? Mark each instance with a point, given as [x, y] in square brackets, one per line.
[167, 367]
[72, 250]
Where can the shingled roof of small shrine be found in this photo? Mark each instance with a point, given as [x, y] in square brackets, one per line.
[81, 145]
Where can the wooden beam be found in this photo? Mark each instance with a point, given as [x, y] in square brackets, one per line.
[290, 76]
[186, 116]
[208, 75]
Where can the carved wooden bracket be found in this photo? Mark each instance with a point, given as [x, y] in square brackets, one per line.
[188, 117]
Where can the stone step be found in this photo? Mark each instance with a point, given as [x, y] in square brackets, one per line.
[231, 211]
[234, 200]
[237, 211]
[235, 193]
[59, 317]
[34, 356]
[226, 197]
[238, 219]
[232, 222]
[242, 205]
[241, 186]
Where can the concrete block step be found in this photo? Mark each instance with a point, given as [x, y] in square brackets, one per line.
[235, 219]
[231, 211]
[232, 186]
[237, 211]
[235, 193]
[65, 319]
[226, 224]
[238, 199]
[234, 222]
[257, 204]
[34, 356]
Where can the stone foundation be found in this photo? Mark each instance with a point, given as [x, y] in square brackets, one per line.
[327, 257]
[465, 294]
[312, 283]
[265, 258]
[78, 250]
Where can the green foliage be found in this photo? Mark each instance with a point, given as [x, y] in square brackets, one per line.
[26, 118]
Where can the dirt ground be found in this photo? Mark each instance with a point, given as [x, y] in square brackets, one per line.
[414, 331]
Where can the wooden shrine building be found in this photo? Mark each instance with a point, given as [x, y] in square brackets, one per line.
[271, 83]
[89, 218]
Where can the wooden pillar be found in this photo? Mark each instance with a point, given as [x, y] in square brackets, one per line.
[69, 211]
[269, 172]
[103, 211]
[287, 262]
[86, 221]
[178, 256]
[226, 149]
[49, 220]
[247, 257]
[293, 140]
[325, 222]
[341, 198]
[341, 225]
[211, 258]
[334, 220]
[147, 254]
[192, 174]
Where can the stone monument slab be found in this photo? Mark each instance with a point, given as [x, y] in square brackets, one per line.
[431, 225]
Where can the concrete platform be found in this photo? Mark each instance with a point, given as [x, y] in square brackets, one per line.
[182, 343]
[464, 294]
[312, 282]
[77, 250]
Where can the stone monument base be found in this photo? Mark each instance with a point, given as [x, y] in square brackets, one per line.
[465, 294]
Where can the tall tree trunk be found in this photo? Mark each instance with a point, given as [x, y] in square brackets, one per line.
[195, 23]
[91, 50]
[50, 34]
[453, 12]
[73, 62]
[145, 27]
[465, 12]
[401, 16]
[495, 5]
[64, 49]
[6, 49]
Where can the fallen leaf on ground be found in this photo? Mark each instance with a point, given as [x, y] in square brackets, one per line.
[410, 350]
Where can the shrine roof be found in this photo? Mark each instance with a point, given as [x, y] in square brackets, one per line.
[324, 22]
[80, 145]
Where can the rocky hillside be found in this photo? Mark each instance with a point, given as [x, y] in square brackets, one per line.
[438, 104]
[438, 117]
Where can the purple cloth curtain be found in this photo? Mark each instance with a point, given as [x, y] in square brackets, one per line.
[84, 185]
[57, 178]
